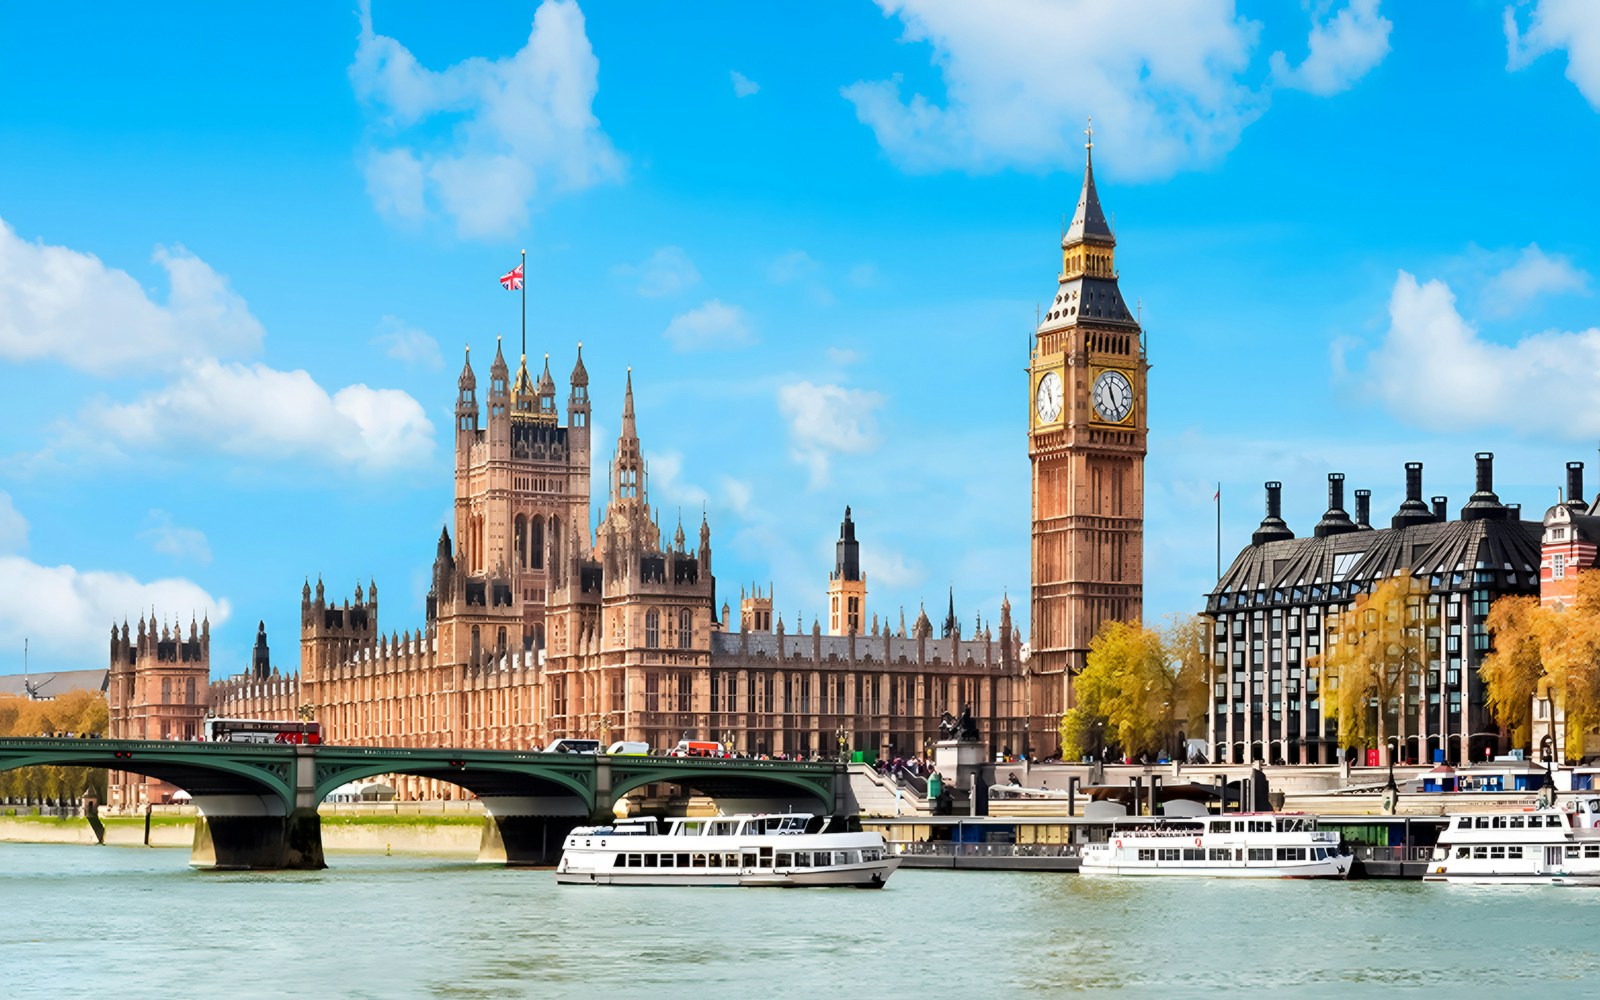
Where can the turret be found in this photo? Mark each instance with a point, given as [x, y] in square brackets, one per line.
[499, 404]
[1413, 511]
[261, 656]
[578, 401]
[1273, 528]
[1335, 521]
[466, 405]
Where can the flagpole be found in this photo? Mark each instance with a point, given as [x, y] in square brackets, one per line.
[1219, 532]
[524, 303]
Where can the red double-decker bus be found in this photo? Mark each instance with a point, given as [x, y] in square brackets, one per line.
[262, 731]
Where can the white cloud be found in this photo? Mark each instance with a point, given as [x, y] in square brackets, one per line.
[714, 324]
[65, 612]
[886, 567]
[182, 544]
[668, 271]
[1533, 274]
[737, 493]
[516, 126]
[795, 265]
[825, 420]
[1434, 370]
[1573, 25]
[1342, 49]
[843, 356]
[13, 526]
[408, 344]
[66, 306]
[667, 482]
[1020, 76]
[743, 86]
[260, 412]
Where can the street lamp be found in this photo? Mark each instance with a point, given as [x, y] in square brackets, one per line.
[1027, 739]
[842, 741]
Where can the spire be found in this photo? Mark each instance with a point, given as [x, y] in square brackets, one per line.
[951, 626]
[523, 403]
[628, 428]
[1089, 221]
[467, 379]
[580, 374]
[847, 551]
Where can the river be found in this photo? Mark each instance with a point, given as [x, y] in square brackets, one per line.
[135, 922]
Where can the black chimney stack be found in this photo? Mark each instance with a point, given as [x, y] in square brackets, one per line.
[1441, 510]
[1335, 521]
[1364, 509]
[1272, 527]
[1414, 510]
[1575, 499]
[1483, 505]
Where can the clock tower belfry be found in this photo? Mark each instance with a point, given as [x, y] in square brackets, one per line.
[1086, 442]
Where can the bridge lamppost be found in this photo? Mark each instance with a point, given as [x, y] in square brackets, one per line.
[842, 741]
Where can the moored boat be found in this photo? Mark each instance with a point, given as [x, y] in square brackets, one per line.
[1543, 846]
[791, 849]
[1244, 845]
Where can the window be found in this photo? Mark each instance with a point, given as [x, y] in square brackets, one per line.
[1221, 854]
[1558, 566]
[1194, 854]
[1170, 854]
[1147, 854]
[685, 628]
[652, 629]
[1260, 854]
[1514, 851]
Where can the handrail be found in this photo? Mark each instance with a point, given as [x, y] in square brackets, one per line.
[949, 849]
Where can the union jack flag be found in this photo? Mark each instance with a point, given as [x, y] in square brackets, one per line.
[511, 281]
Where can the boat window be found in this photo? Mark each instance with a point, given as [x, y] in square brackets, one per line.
[1194, 854]
[1514, 851]
[723, 828]
[1220, 826]
[1170, 854]
[1147, 854]
[802, 859]
[1572, 850]
[1464, 822]
[699, 861]
[872, 854]
[1497, 851]
[692, 828]
[1291, 854]
[1260, 854]
[1482, 822]
[749, 859]
[666, 861]
[1319, 854]
[1221, 854]
[1516, 822]
[1594, 805]
[1498, 822]
[1238, 826]
[1591, 850]
[1261, 826]
[619, 861]
[785, 860]
[714, 860]
[1463, 852]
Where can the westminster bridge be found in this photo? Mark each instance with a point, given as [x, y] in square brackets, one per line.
[257, 804]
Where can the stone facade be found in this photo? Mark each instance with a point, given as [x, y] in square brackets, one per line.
[157, 689]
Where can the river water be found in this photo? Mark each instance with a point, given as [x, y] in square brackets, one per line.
[136, 922]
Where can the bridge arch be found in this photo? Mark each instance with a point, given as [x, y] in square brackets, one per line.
[201, 773]
[742, 784]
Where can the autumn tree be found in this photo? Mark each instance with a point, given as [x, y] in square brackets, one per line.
[1375, 650]
[1138, 684]
[1512, 670]
[79, 712]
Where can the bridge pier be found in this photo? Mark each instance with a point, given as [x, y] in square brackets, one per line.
[527, 829]
[234, 842]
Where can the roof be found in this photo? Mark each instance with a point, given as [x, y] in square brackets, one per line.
[49, 685]
[1452, 555]
[1089, 221]
[1088, 299]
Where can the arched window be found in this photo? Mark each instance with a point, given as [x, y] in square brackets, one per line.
[685, 628]
[652, 628]
[166, 690]
[188, 690]
[536, 543]
[520, 541]
[555, 539]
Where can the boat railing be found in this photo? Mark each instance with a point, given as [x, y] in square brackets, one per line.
[948, 849]
[1399, 853]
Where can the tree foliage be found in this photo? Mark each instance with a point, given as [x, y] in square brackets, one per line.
[1138, 687]
[1558, 647]
[79, 712]
[1374, 648]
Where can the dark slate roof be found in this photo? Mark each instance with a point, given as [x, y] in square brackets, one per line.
[1447, 554]
[1089, 222]
[1092, 300]
[49, 685]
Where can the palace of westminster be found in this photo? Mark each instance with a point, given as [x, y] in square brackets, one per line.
[537, 629]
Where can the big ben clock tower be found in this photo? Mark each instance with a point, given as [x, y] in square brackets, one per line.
[1086, 442]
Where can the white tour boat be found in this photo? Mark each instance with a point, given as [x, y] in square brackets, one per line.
[792, 849]
[1243, 845]
[1544, 846]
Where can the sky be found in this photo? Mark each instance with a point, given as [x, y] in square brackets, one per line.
[242, 253]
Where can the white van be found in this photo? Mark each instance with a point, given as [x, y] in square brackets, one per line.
[628, 748]
[567, 745]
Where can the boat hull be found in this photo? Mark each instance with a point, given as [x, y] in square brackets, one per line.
[863, 876]
[1332, 869]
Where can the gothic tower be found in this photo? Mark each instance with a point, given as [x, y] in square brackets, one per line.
[1086, 442]
[847, 585]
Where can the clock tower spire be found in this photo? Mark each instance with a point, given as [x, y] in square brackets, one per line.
[1086, 445]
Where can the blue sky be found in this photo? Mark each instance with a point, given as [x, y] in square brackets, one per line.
[241, 255]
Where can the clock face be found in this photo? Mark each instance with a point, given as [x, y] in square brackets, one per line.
[1113, 396]
[1048, 400]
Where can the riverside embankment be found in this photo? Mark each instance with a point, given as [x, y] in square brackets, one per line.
[421, 828]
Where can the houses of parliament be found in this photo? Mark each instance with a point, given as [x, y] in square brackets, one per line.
[537, 627]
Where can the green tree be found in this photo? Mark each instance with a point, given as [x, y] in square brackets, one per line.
[1375, 651]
